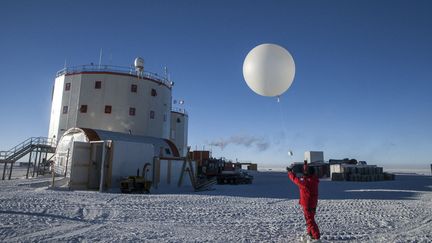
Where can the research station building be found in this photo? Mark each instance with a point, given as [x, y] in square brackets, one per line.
[118, 100]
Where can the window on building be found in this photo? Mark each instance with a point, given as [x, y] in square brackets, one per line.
[65, 109]
[152, 115]
[132, 111]
[67, 86]
[178, 120]
[165, 117]
[108, 109]
[134, 88]
[98, 84]
[153, 92]
[167, 151]
[83, 108]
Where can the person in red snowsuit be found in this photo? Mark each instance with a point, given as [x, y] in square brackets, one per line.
[308, 186]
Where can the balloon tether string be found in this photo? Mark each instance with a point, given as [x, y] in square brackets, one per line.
[284, 130]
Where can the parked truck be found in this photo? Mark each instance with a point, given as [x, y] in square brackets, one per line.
[234, 177]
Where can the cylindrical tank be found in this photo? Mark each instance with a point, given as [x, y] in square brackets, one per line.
[111, 98]
[179, 130]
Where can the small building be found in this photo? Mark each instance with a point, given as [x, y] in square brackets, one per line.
[91, 158]
[314, 156]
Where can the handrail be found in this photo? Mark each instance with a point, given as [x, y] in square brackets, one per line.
[114, 69]
[28, 142]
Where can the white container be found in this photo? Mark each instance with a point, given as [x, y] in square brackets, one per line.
[314, 156]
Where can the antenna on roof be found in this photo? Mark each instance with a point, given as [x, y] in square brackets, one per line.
[100, 58]
[166, 73]
[139, 66]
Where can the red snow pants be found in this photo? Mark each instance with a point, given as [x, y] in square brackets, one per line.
[312, 227]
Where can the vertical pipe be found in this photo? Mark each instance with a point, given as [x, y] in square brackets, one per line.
[34, 164]
[45, 161]
[156, 172]
[39, 161]
[67, 162]
[100, 58]
[102, 176]
[28, 165]
[169, 172]
[153, 172]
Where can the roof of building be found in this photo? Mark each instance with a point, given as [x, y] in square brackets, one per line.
[117, 70]
[99, 135]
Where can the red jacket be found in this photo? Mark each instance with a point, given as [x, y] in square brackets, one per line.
[308, 186]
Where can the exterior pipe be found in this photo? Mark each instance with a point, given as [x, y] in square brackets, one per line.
[67, 162]
[102, 176]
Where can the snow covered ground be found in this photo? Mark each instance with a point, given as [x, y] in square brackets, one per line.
[266, 211]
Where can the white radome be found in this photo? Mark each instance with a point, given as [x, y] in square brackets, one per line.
[269, 70]
[139, 63]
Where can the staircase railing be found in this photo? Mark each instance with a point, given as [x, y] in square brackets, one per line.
[26, 144]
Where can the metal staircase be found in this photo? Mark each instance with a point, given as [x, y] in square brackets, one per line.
[40, 146]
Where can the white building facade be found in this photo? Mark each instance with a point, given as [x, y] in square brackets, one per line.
[179, 130]
[113, 99]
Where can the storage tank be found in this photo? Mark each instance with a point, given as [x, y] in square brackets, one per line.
[179, 130]
[118, 99]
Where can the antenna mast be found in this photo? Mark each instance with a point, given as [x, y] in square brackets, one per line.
[100, 58]
[166, 73]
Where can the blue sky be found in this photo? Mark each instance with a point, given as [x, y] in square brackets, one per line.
[362, 87]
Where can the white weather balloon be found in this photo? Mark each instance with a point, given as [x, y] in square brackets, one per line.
[269, 70]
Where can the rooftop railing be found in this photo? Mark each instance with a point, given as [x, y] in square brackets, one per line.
[179, 110]
[114, 69]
